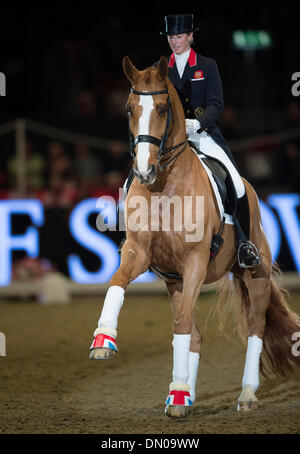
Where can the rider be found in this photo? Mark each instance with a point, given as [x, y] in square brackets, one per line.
[198, 83]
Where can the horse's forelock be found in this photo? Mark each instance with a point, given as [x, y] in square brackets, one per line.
[148, 77]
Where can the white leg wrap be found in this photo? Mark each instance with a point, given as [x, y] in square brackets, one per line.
[181, 348]
[193, 373]
[251, 371]
[111, 308]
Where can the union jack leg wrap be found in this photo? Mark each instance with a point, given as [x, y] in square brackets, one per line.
[103, 340]
[179, 397]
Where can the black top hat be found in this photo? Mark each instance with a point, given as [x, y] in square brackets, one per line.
[179, 23]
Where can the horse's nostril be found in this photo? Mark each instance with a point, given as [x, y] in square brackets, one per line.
[151, 174]
[147, 178]
[152, 171]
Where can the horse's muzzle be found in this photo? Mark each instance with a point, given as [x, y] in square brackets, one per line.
[147, 179]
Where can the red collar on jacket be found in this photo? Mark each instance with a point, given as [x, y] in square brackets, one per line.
[192, 59]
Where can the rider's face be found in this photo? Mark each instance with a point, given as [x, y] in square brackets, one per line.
[180, 43]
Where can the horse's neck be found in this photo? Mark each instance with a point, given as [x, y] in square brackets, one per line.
[175, 173]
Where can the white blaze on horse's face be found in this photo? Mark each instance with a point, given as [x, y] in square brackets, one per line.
[143, 152]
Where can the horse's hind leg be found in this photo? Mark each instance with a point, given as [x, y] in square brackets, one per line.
[256, 291]
[134, 261]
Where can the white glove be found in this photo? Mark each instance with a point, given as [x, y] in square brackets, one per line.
[191, 126]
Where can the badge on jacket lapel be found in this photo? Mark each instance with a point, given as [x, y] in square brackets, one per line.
[198, 75]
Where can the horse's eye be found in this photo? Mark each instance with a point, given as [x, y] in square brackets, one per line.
[162, 110]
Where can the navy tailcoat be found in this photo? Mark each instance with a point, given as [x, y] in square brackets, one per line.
[201, 94]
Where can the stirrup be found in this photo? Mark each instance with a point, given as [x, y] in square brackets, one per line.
[248, 255]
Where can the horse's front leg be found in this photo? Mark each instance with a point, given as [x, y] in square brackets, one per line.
[134, 261]
[175, 294]
[186, 340]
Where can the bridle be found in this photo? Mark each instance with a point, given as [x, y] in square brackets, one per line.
[160, 143]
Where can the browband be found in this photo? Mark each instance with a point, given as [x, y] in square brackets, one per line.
[149, 93]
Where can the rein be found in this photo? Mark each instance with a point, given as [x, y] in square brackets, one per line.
[160, 143]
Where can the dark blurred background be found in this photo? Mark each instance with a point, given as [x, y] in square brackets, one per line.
[63, 68]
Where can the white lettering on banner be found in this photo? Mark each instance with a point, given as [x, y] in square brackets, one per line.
[96, 242]
[29, 241]
[101, 245]
[285, 205]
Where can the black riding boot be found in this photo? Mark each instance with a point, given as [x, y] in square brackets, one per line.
[248, 255]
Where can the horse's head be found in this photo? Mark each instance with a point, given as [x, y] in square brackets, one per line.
[149, 112]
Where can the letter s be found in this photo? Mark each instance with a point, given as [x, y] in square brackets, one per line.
[96, 242]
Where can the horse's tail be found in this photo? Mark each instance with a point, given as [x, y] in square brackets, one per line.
[281, 323]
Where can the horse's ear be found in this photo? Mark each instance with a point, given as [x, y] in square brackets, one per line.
[162, 67]
[130, 70]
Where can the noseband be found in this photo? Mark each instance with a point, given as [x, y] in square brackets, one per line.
[160, 143]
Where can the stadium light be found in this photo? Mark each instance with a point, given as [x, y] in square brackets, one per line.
[251, 39]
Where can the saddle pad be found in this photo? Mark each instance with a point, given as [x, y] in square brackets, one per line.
[228, 218]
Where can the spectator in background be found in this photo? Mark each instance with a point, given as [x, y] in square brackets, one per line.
[88, 169]
[118, 158]
[288, 170]
[117, 98]
[60, 193]
[293, 114]
[35, 167]
[59, 164]
[86, 104]
[61, 184]
[114, 181]
[229, 123]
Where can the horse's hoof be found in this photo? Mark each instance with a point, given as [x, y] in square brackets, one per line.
[178, 401]
[250, 405]
[177, 411]
[102, 353]
[103, 346]
[247, 400]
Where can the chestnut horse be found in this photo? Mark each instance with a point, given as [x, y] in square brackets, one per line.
[166, 168]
